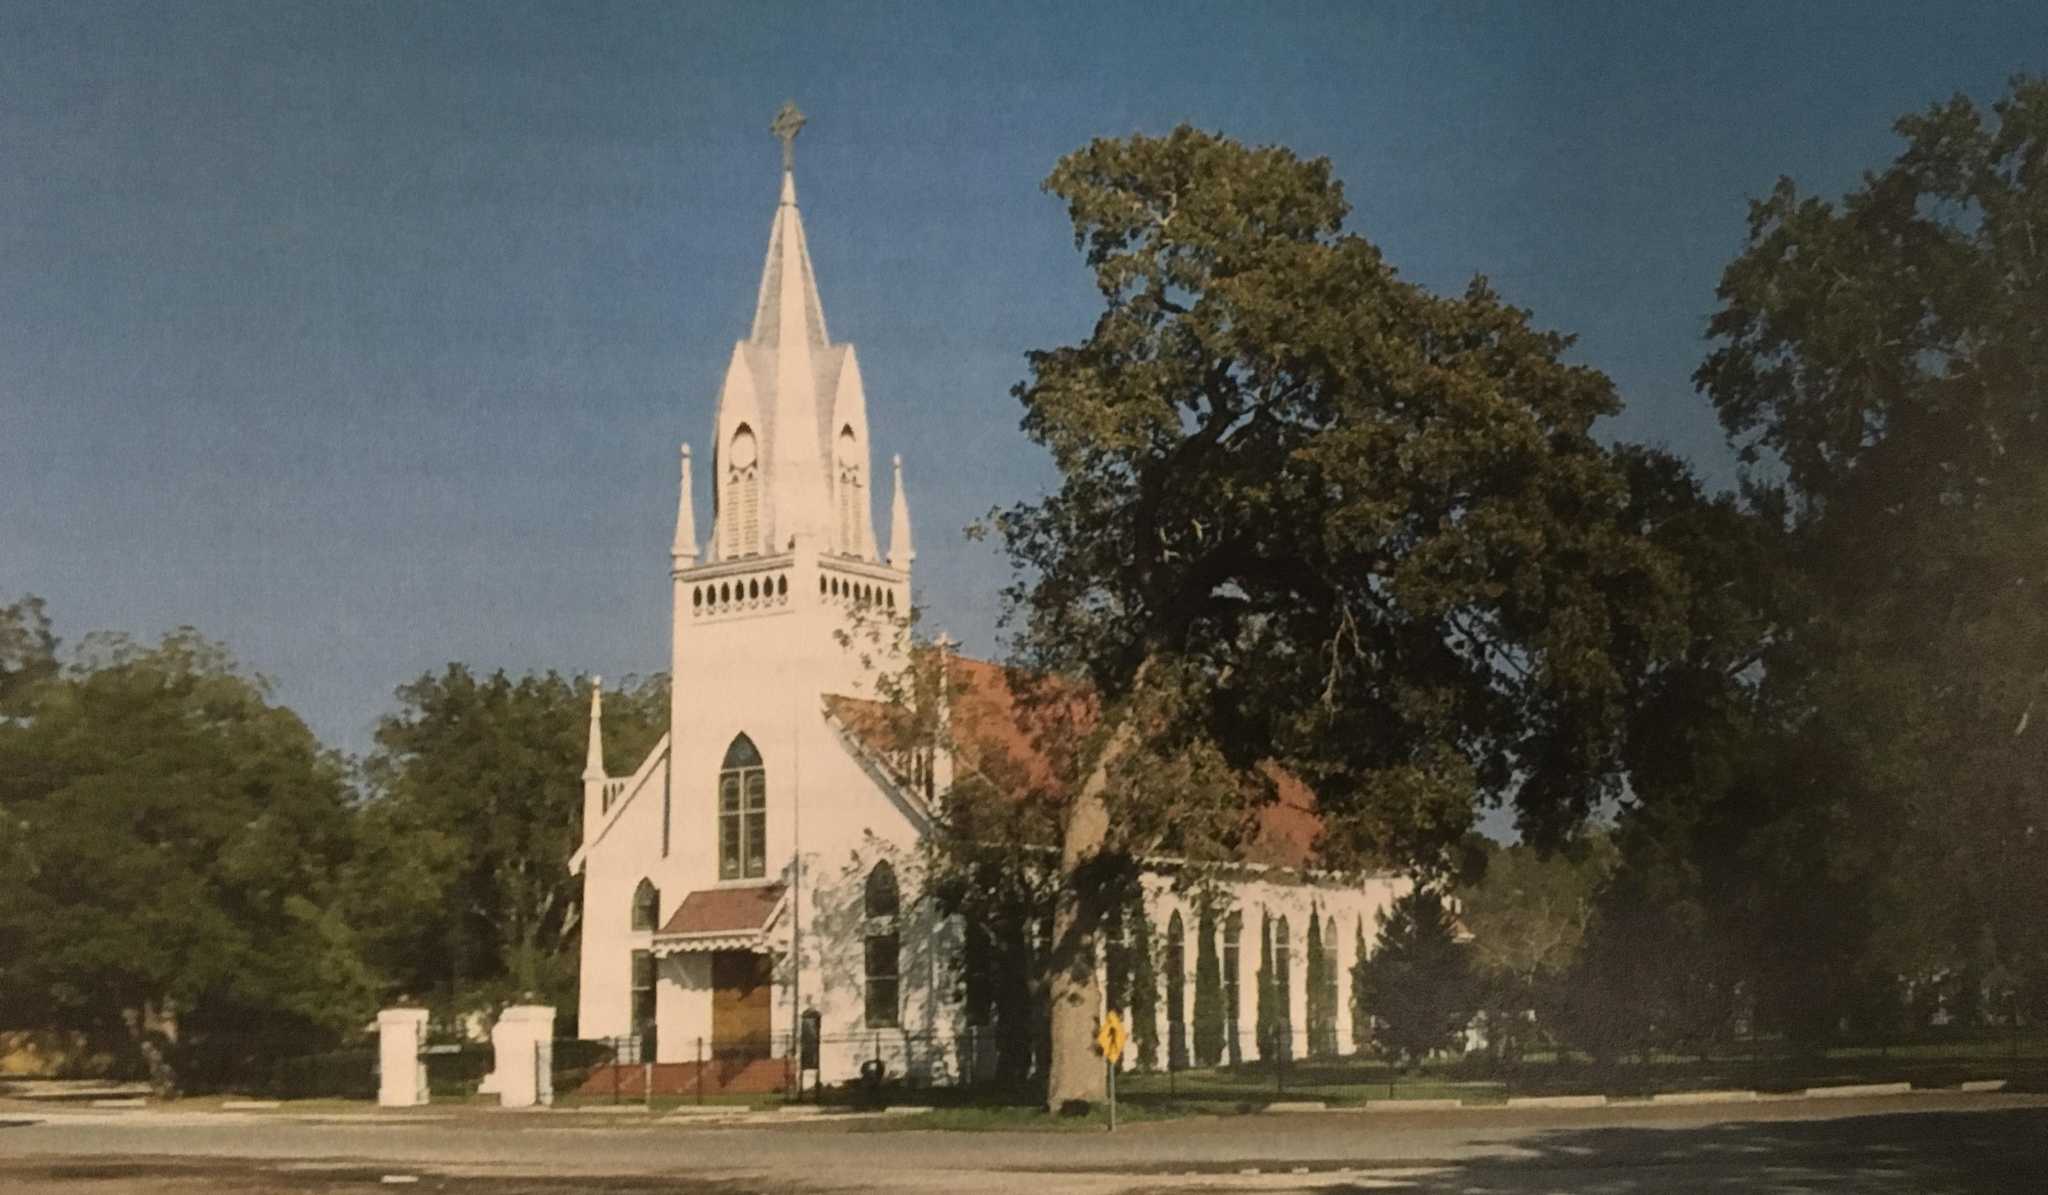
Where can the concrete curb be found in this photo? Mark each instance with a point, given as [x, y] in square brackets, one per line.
[1557, 1101]
[1688, 1098]
[1983, 1085]
[1420, 1105]
[1857, 1091]
[249, 1105]
[135, 1102]
[1298, 1106]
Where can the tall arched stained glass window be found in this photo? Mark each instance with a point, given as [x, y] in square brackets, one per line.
[742, 812]
[881, 902]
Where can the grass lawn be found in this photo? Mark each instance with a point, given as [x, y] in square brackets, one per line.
[1351, 1081]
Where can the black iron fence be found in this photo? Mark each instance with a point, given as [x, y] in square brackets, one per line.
[989, 1064]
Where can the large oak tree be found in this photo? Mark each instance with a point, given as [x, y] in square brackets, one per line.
[1313, 513]
[1883, 361]
[170, 841]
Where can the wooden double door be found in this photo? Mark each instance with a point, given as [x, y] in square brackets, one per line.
[741, 1014]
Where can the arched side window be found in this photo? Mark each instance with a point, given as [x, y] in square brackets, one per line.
[1283, 989]
[880, 902]
[742, 812]
[852, 498]
[646, 906]
[1176, 993]
[880, 899]
[743, 494]
[1233, 974]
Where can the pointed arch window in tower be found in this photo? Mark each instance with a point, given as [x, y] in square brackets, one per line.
[852, 498]
[742, 812]
[743, 493]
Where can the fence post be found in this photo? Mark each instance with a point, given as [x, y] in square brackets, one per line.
[700, 1070]
[618, 1064]
[647, 1082]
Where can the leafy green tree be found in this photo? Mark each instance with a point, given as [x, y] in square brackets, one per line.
[171, 840]
[1311, 512]
[1418, 979]
[1322, 1018]
[1528, 917]
[28, 651]
[1880, 359]
[1361, 993]
[1176, 994]
[474, 808]
[1144, 1003]
[1208, 1027]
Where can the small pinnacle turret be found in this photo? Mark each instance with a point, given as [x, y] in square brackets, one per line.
[683, 552]
[900, 551]
[593, 756]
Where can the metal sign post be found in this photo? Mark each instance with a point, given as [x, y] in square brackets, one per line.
[1110, 1040]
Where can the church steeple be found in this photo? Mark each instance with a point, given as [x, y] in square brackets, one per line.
[792, 438]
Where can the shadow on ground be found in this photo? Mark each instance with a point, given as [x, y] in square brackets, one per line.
[2003, 1151]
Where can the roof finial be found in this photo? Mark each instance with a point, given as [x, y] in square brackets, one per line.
[788, 123]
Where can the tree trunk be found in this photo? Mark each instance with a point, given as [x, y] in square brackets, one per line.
[1075, 1071]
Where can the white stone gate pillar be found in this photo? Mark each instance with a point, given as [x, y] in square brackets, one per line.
[523, 1047]
[402, 1075]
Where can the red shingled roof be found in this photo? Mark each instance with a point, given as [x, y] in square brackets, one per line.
[725, 910]
[992, 735]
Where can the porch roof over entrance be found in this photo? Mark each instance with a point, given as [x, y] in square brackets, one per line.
[722, 919]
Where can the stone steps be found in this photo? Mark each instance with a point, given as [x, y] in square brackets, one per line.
[753, 1076]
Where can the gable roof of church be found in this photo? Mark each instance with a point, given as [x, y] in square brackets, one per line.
[993, 735]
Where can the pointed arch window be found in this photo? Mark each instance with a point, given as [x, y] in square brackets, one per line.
[1283, 989]
[1176, 992]
[742, 812]
[852, 499]
[881, 902]
[743, 493]
[1233, 971]
[646, 906]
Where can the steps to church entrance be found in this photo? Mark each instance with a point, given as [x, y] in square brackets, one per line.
[751, 1076]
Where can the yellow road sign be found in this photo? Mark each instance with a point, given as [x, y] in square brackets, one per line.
[1110, 1038]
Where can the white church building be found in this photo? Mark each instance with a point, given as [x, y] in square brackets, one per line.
[755, 874]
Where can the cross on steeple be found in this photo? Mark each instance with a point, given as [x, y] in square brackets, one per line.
[788, 123]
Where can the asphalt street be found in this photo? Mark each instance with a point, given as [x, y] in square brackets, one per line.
[1918, 1143]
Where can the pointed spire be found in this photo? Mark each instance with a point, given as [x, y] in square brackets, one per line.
[900, 551]
[683, 552]
[593, 756]
[787, 306]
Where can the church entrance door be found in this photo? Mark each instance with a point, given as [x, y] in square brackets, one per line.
[740, 1012]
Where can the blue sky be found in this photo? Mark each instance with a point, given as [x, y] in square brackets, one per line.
[360, 336]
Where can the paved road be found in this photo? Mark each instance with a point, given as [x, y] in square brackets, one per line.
[1920, 1143]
